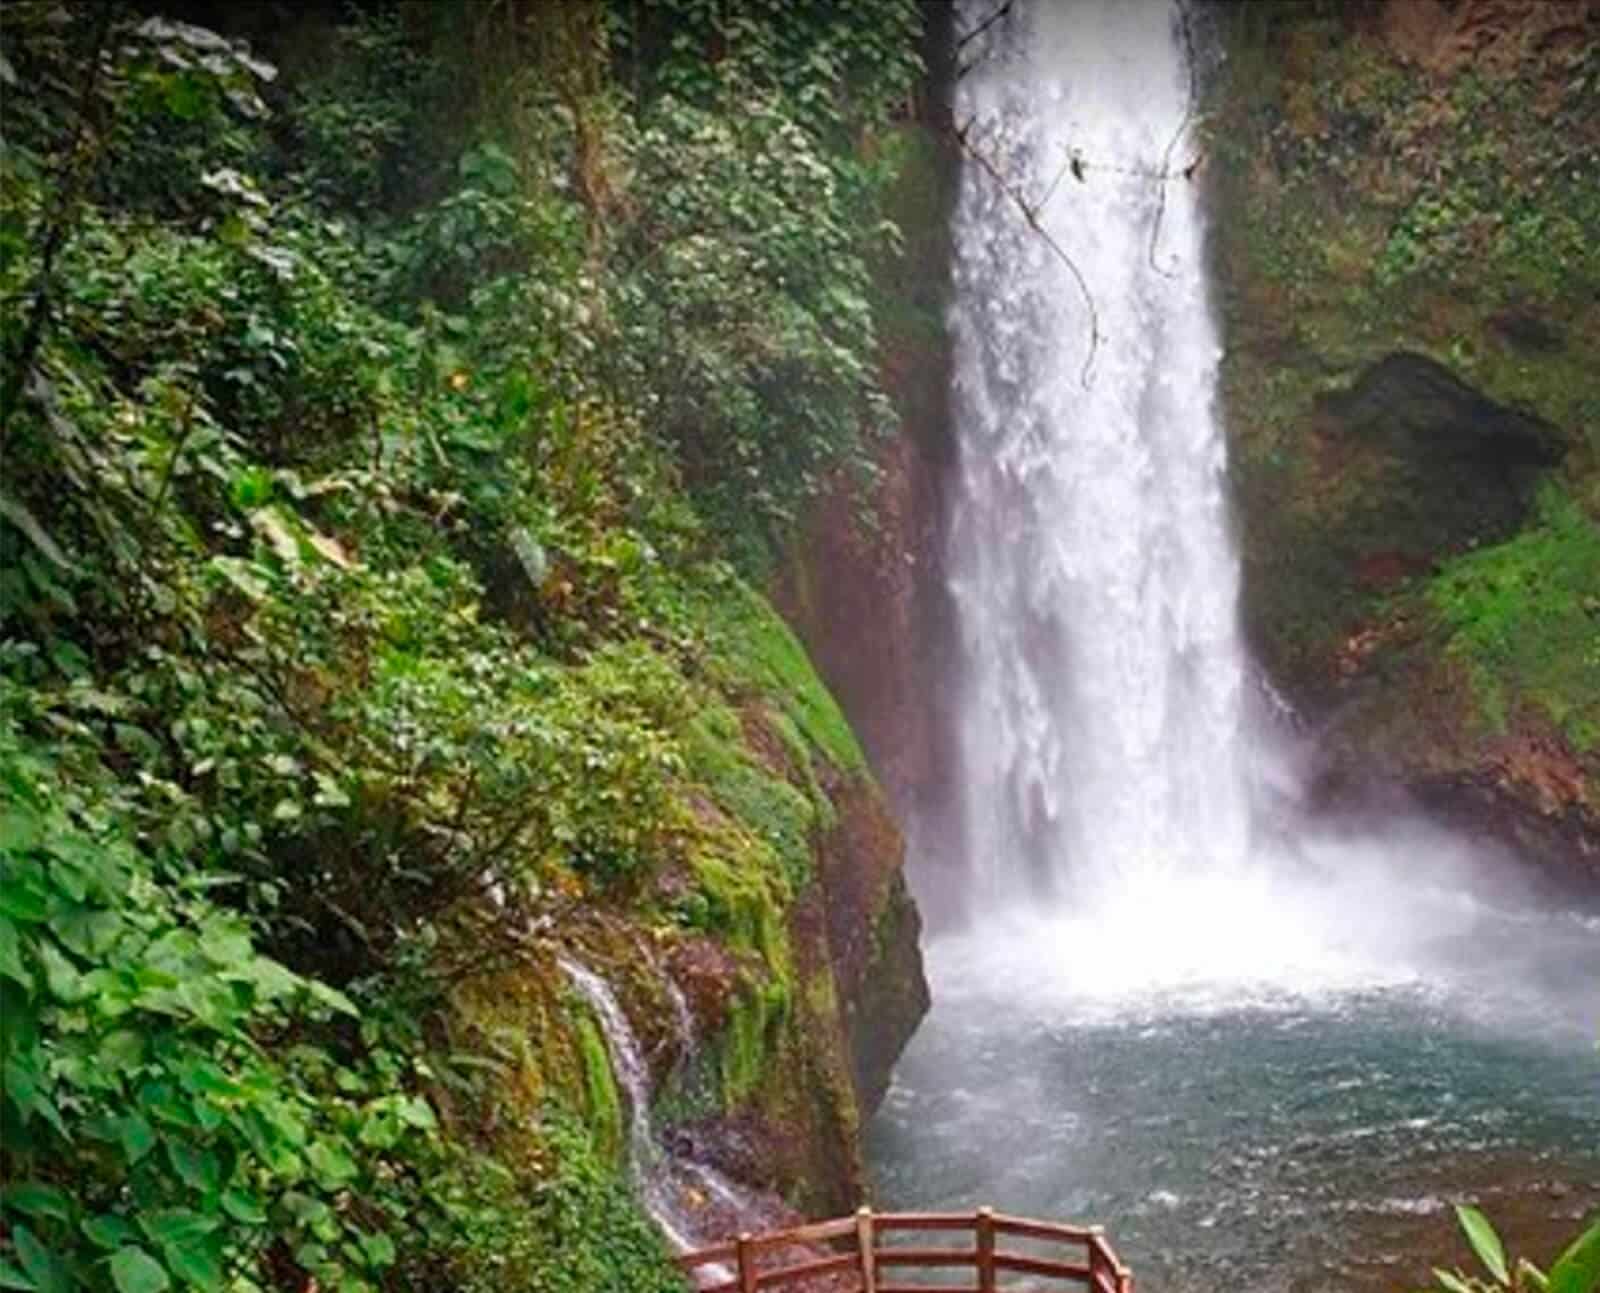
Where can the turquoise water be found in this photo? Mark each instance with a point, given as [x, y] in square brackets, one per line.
[1239, 1135]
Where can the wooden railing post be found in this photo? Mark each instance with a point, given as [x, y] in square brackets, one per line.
[986, 1250]
[867, 1244]
[747, 1265]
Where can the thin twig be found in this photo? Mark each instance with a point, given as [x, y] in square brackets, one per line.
[1166, 158]
[1031, 215]
[977, 31]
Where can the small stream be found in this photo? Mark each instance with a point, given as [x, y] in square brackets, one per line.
[691, 1202]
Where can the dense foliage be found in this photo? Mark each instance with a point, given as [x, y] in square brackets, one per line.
[1576, 1270]
[376, 427]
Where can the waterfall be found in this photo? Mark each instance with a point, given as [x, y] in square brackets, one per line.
[1091, 562]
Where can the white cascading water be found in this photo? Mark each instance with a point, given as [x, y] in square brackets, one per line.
[1091, 560]
[1251, 1045]
[663, 1183]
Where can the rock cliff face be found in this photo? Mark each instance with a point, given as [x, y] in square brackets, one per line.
[865, 585]
[1403, 212]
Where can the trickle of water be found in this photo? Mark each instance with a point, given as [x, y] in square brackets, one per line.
[645, 1159]
[664, 1183]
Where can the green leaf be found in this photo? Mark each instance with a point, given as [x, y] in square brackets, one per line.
[177, 1225]
[25, 521]
[60, 973]
[134, 1271]
[1481, 1235]
[1452, 1283]
[199, 1262]
[43, 1267]
[88, 931]
[137, 1136]
[416, 1112]
[332, 1167]
[38, 1200]
[108, 1230]
[20, 830]
[378, 1249]
[11, 965]
[244, 1207]
[22, 900]
[333, 999]
[1577, 1270]
[121, 1050]
[12, 1278]
[197, 1168]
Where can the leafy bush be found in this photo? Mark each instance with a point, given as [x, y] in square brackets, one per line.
[1525, 619]
[1577, 1270]
[167, 1116]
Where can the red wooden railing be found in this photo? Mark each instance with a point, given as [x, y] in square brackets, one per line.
[847, 1256]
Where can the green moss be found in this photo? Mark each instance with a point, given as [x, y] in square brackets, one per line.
[1524, 616]
[602, 1101]
[767, 806]
[571, 1227]
[756, 652]
[754, 1024]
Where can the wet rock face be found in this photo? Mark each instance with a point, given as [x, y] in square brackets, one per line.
[873, 930]
[1433, 422]
[1410, 396]
[1403, 467]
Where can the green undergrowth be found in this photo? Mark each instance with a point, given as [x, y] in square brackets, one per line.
[1524, 617]
[377, 466]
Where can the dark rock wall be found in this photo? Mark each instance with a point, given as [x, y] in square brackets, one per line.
[1404, 208]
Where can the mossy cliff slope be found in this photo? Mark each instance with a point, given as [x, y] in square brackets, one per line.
[1404, 212]
[399, 407]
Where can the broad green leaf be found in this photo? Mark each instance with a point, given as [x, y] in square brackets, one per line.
[12, 1278]
[196, 1167]
[197, 1261]
[332, 1167]
[121, 1050]
[22, 894]
[177, 1225]
[43, 1267]
[108, 1231]
[1485, 1242]
[331, 997]
[244, 1207]
[416, 1112]
[88, 931]
[1577, 1270]
[38, 1200]
[137, 1136]
[59, 972]
[21, 830]
[11, 965]
[379, 1250]
[134, 1271]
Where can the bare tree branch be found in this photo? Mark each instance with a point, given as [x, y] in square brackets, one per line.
[1030, 213]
